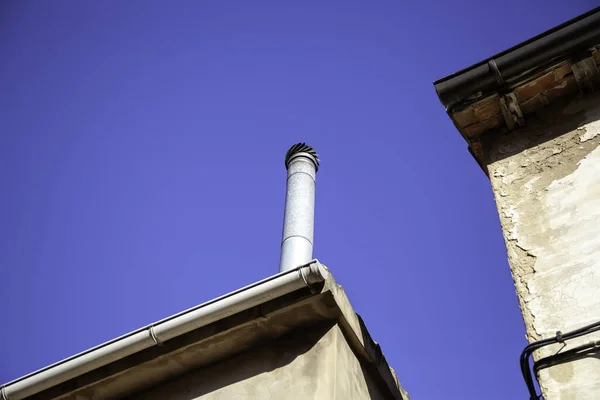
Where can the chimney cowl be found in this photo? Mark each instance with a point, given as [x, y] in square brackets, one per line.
[302, 150]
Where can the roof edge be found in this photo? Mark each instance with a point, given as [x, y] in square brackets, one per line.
[361, 342]
[576, 35]
[155, 334]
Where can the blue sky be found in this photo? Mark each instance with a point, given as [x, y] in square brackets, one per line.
[141, 171]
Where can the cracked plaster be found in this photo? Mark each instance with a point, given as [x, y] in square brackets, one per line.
[546, 181]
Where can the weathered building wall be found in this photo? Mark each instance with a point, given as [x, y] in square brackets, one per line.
[313, 363]
[546, 182]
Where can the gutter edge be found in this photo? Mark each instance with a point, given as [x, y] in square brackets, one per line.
[518, 46]
[307, 276]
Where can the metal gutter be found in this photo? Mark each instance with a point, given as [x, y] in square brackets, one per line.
[166, 329]
[566, 40]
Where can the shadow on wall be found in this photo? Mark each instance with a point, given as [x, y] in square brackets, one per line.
[260, 360]
[542, 128]
[372, 369]
[566, 357]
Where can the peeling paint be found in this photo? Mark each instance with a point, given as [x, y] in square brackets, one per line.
[590, 131]
[546, 181]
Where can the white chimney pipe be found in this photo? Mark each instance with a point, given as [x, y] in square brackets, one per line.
[302, 163]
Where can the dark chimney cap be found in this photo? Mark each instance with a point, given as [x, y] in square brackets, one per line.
[302, 150]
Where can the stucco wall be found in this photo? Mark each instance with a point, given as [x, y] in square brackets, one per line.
[546, 182]
[314, 363]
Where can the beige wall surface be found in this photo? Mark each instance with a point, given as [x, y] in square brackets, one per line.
[546, 182]
[313, 363]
